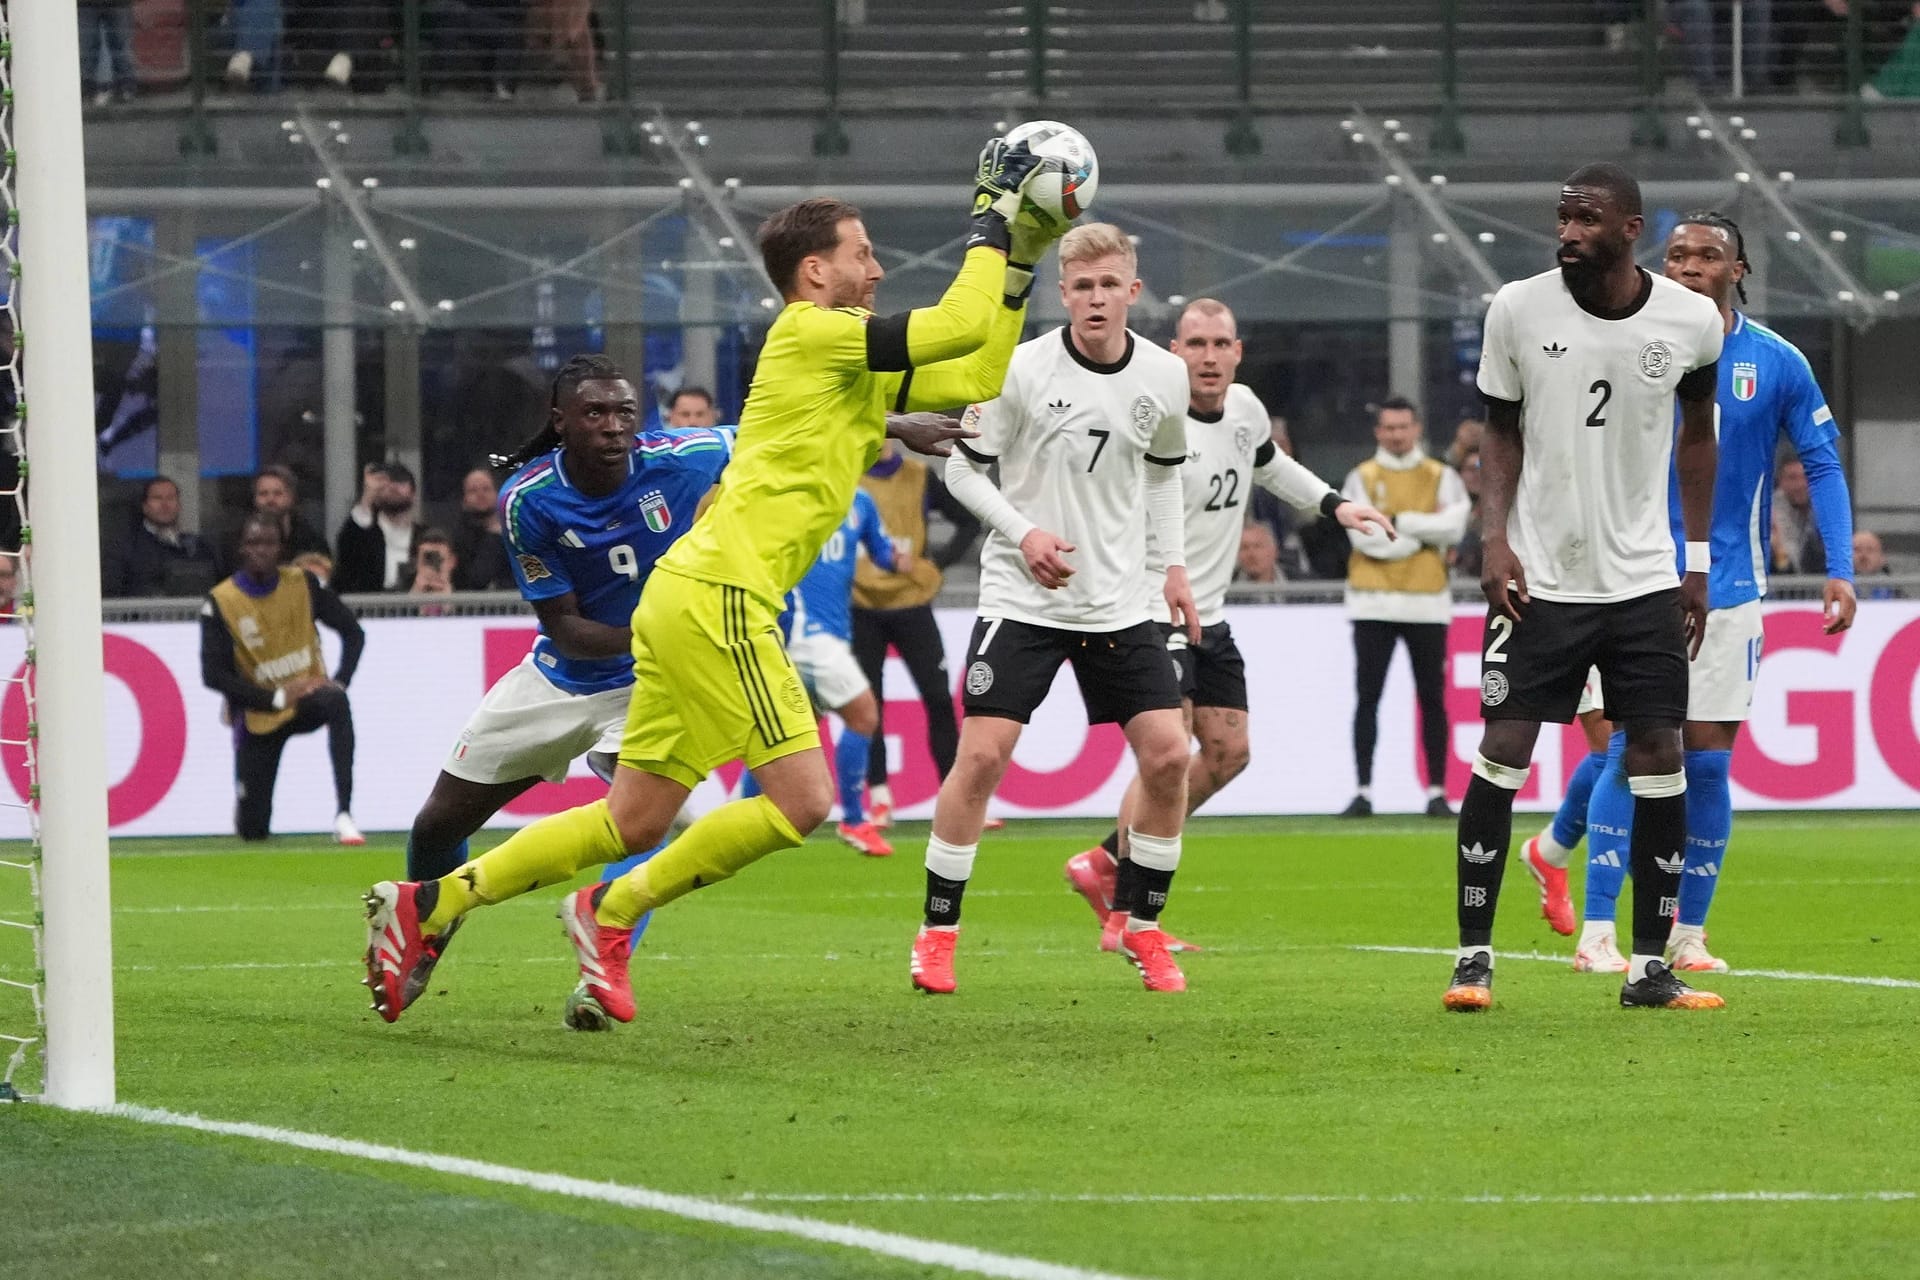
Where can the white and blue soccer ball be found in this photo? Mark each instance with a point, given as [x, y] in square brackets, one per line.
[1065, 187]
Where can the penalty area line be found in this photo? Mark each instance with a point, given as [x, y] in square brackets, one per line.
[1782, 975]
[954, 1257]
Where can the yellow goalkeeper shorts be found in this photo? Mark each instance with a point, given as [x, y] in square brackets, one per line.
[711, 683]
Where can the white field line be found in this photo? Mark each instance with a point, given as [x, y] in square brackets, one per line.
[1784, 975]
[953, 1257]
[1492, 1198]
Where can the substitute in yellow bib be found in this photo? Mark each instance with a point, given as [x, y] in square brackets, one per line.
[712, 681]
[260, 650]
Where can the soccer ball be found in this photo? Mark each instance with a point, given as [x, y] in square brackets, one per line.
[1064, 188]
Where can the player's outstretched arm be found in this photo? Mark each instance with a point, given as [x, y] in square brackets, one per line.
[1809, 424]
[1501, 450]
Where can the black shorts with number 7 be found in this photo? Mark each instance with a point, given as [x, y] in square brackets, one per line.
[1011, 665]
[1534, 669]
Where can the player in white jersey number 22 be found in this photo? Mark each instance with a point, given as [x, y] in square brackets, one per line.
[1581, 367]
[1089, 431]
[1229, 450]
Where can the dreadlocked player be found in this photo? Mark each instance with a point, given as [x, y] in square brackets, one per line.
[1766, 390]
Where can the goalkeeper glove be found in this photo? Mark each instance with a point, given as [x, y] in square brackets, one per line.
[1005, 169]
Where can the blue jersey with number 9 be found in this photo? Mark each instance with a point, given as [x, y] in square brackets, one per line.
[601, 550]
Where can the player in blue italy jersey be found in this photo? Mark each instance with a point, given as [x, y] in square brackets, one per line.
[820, 642]
[591, 507]
[1766, 391]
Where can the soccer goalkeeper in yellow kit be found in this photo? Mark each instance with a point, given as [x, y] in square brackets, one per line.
[712, 681]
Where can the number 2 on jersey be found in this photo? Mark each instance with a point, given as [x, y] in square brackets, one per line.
[620, 556]
[1604, 389]
[1226, 490]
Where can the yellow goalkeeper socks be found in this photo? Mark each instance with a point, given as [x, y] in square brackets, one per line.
[729, 838]
[546, 852]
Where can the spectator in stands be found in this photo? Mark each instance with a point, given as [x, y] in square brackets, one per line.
[254, 26]
[1464, 559]
[1870, 564]
[1796, 547]
[1701, 45]
[376, 539]
[1466, 440]
[1259, 558]
[435, 566]
[473, 44]
[106, 36]
[156, 557]
[260, 650]
[692, 407]
[1397, 592]
[317, 563]
[478, 549]
[561, 33]
[275, 493]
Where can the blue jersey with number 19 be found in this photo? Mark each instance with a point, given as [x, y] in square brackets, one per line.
[1766, 390]
[602, 549]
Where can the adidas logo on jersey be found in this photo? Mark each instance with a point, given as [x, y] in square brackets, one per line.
[1610, 858]
[1058, 406]
[1478, 855]
[1708, 869]
[1554, 351]
[1671, 865]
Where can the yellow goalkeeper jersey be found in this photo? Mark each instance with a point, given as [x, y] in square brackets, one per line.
[816, 414]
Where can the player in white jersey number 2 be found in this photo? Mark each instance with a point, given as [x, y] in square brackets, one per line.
[1229, 450]
[1089, 431]
[1581, 367]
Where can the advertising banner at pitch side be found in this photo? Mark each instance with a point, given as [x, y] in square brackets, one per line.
[1836, 724]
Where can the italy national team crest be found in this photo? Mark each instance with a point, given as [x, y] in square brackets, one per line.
[1746, 380]
[653, 508]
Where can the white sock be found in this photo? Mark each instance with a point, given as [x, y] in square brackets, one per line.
[941, 928]
[1552, 852]
[1594, 930]
[1364, 793]
[1637, 966]
[1696, 933]
[880, 793]
[1434, 793]
[1136, 925]
[1468, 953]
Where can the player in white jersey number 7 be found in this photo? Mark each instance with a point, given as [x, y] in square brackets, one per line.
[1089, 430]
[1229, 450]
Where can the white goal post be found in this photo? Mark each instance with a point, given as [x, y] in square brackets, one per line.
[56, 340]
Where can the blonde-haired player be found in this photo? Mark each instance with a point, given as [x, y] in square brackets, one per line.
[712, 681]
[1229, 450]
[1088, 432]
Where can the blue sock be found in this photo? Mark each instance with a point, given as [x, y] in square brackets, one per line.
[1570, 822]
[850, 769]
[1709, 824]
[614, 870]
[1609, 831]
[428, 864]
[749, 788]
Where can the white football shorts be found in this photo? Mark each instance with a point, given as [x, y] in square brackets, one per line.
[1590, 697]
[1720, 680]
[829, 669]
[527, 728]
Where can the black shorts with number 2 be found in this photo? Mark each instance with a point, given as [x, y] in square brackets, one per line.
[1534, 669]
[1011, 665]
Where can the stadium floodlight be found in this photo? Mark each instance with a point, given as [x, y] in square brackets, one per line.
[48, 305]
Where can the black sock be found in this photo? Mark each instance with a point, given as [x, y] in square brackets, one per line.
[1112, 843]
[1486, 828]
[1126, 884]
[1657, 851]
[1150, 885]
[943, 899]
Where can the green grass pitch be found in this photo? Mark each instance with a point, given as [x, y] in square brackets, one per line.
[1306, 1109]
